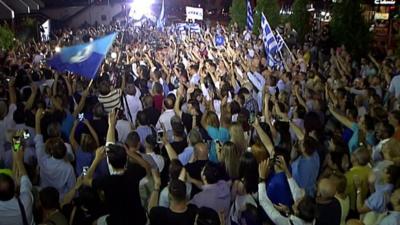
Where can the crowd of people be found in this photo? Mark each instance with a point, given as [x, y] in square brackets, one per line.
[175, 129]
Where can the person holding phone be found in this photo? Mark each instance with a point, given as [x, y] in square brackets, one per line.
[16, 210]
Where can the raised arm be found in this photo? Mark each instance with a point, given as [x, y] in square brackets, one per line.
[72, 139]
[179, 95]
[82, 101]
[11, 90]
[342, 119]
[100, 154]
[112, 121]
[92, 131]
[264, 137]
[32, 98]
[153, 200]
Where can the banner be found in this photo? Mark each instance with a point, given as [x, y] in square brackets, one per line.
[194, 13]
[45, 31]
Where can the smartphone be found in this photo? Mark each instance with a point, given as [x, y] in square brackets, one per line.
[84, 170]
[26, 134]
[160, 135]
[16, 143]
[81, 117]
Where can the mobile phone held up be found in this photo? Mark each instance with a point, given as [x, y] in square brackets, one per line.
[19, 139]
[81, 117]
[85, 170]
[160, 135]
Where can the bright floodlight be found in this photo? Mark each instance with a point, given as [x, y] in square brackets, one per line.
[57, 49]
[140, 8]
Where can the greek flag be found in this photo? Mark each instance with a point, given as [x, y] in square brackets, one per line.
[161, 18]
[194, 27]
[279, 40]
[84, 59]
[250, 20]
[270, 43]
[181, 27]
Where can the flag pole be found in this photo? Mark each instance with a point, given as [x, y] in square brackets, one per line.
[284, 62]
[290, 52]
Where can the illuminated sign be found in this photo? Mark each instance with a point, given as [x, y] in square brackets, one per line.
[385, 2]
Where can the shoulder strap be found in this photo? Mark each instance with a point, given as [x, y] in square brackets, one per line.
[23, 214]
[125, 102]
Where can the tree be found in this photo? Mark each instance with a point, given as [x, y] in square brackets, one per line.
[349, 28]
[270, 8]
[238, 13]
[6, 37]
[300, 19]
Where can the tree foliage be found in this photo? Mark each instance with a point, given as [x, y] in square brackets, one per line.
[271, 9]
[349, 28]
[300, 19]
[238, 12]
[6, 37]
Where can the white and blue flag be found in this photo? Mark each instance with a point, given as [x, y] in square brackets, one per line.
[250, 18]
[83, 59]
[279, 40]
[161, 18]
[270, 43]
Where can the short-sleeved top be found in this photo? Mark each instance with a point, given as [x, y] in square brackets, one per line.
[221, 134]
[122, 196]
[378, 200]
[305, 171]
[112, 100]
[161, 215]
[329, 214]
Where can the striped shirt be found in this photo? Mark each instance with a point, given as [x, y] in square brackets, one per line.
[112, 100]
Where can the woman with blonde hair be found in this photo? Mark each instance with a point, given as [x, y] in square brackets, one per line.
[229, 155]
[237, 137]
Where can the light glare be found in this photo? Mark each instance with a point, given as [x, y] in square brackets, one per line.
[140, 8]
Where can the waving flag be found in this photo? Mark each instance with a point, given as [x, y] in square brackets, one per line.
[161, 18]
[84, 59]
[270, 43]
[279, 40]
[250, 19]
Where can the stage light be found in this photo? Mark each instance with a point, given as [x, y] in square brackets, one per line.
[58, 49]
[140, 8]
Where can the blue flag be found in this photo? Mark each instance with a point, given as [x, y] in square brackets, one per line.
[219, 40]
[84, 59]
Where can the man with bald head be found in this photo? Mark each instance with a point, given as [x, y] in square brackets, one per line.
[328, 206]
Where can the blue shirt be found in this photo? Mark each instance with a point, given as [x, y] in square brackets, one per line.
[353, 142]
[378, 200]
[56, 173]
[278, 189]
[83, 159]
[392, 219]
[66, 125]
[221, 134]
[305, 172]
